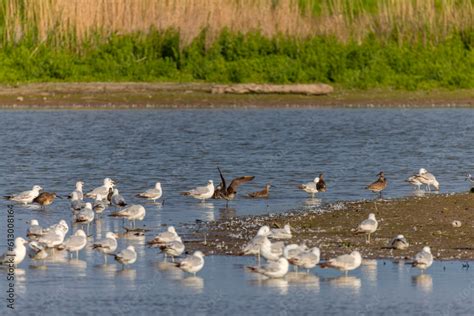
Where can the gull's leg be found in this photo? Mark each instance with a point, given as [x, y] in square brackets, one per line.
[105, 258]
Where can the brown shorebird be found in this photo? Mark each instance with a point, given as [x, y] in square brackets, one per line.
[45, 198]
[264, 194]
[379, 185]
[229, 192]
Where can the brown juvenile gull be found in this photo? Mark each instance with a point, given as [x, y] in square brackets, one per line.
[229, 192]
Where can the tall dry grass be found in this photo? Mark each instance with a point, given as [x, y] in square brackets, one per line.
[73, 21]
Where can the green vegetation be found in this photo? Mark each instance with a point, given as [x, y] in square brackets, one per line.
[348, 43]
[252, 57]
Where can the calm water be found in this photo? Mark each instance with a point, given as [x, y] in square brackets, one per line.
[181, 148]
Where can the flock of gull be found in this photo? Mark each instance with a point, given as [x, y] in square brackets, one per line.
[44, 241]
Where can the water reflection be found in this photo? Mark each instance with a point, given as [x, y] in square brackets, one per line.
[195, 283]
[208, 209]
[423, 282]
[346, 282]
[306, 280]
[312, 203]
[227, 212]
[280, 285]
[369, 270]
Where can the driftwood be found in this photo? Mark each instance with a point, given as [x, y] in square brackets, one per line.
[307, 89]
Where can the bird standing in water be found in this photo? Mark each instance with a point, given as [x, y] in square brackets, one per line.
[379, 185]
[228, 193]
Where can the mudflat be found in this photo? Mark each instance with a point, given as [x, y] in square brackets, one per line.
[423, 220]
[130, 95]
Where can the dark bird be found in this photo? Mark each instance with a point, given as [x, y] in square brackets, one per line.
[45, 198]
[379, 185]
[229, 192]
[321, 185]
[264, 194]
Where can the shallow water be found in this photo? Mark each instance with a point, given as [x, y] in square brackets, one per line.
[225, 287]
[181, 148]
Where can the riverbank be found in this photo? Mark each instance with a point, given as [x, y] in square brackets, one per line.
[100, 95]
[425, 220]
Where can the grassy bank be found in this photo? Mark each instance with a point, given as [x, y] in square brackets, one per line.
[350, 44]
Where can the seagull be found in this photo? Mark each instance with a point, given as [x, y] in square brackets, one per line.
[38, 251]
[318, 185]
[193, 263]
[229, 192]
[165, 237]
[399, 243]
[117, 199]
[367, 226]
[126, 256]
[264, 194]
[75, 243]
[254, 246]
[35, 230]
[152, 194]
[423, 259]
[273, 269]
[99, 205]
[17, 255]
[379, 185]
[62, 227]
[306, 259]
[271, 251]
[469, 177]
[76, 203]
[25, 197]
[413, 180]
[107, 245]
[292, 250]
[428, 178]
[102, 190]
[344, 263]
[201, 193]
[53, 238]
[78, 190]
[45, 198]
[173, 248]
[132, 213]
[85, 215]
[281, 233]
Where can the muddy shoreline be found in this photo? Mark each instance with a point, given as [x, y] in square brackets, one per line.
[99, 95]
[425, 220]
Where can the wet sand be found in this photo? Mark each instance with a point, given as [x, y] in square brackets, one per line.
[99, 95]
[425, 220]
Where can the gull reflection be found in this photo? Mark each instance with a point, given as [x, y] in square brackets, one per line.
[280, 285]
[109, 270]
[172, 272]
[312, 202]
[129, 274]
[209, 211]
[423, 281]
[307, 280]
[419, 193]
[194, 282]
[346, 282]
[369, 269]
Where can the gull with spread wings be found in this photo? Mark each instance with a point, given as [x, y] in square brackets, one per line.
[228, 193]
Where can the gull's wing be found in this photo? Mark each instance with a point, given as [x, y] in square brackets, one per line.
[238, 181]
